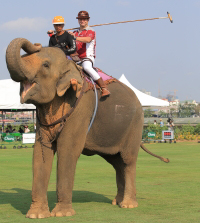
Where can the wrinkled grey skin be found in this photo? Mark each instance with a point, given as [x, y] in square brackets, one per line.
[115, 134]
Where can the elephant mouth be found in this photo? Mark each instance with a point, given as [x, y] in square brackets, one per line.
[26, 87]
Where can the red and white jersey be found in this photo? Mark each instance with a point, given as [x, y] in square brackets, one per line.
[86, 49]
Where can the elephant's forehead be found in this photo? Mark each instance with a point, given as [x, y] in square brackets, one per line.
[32, 60]
[54, 52]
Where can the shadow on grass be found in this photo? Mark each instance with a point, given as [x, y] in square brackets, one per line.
[20, 199]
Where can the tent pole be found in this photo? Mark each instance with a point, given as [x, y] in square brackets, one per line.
[5, 119]
[2, 122]
[33, 116]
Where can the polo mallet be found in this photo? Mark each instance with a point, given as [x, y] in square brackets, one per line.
[138, 20]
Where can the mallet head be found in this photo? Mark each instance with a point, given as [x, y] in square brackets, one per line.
[170, 18]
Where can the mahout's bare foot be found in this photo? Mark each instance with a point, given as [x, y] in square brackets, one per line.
[62, 210]
[118, 199]
[38, 210]
[114, 202]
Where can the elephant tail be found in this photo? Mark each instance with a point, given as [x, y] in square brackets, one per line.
[166, 160]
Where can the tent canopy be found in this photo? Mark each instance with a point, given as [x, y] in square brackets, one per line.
[10, 98]
[145, 100]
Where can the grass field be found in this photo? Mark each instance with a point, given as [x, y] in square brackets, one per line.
[165, 192]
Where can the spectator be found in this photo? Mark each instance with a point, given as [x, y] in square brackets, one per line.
[10, 128]
[3, 124]
[26, 129]
[155, 123]
[161, 123]
[170, 125]
[21, 130]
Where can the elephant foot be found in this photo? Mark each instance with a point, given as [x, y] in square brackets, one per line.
[62, 210]
[128, 204]
[38, 211]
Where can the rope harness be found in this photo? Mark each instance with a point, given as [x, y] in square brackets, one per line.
[61, 120]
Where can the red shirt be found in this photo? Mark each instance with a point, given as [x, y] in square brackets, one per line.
[86, 49]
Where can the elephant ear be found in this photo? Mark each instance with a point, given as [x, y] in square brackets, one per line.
[66, 78]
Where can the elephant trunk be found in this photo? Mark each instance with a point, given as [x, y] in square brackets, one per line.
[15, 64]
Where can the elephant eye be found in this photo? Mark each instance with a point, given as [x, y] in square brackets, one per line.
[46, 64]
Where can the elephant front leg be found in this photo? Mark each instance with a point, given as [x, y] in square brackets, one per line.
[69, 148]
[65, 180]
[42, 165]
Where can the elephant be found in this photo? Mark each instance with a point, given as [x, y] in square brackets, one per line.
[56, 86]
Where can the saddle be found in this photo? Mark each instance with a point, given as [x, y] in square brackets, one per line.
[106, 78]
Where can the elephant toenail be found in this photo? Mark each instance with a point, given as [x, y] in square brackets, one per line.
[59, 214]
[41, 216]
[32, 216]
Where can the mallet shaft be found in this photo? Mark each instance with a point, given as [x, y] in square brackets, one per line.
[137, 20]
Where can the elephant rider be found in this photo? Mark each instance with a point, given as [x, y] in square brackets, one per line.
[61, 39]
[85, 38]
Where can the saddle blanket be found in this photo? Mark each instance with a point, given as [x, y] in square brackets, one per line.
[106, 78]
[102, 74]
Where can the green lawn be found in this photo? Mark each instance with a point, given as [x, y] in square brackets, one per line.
[165, 192]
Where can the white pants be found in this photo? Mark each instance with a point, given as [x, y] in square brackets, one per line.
[87, 66]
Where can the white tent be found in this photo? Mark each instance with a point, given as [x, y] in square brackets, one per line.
[145, 100]
[10, 99]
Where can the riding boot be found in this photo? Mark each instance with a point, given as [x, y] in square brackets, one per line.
[104, 91]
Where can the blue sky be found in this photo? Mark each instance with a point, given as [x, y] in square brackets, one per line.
[152, 54]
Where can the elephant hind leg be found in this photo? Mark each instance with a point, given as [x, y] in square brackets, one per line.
[129, 155]
[129, 199]
[118, 164]
[125, 179]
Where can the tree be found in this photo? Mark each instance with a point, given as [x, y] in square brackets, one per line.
[186, 110]
[173, 112]
[197, 110]
[148, 113]
[162, 114]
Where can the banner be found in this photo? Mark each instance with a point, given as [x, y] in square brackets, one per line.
[151, 134]
[8, 138]
[28, 138]
[11, 137]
